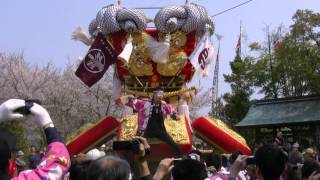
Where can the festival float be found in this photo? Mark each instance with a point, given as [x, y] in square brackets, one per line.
[144, 59]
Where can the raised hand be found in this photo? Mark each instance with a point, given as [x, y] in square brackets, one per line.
[165, 167]
[40, 115]
[8, 108]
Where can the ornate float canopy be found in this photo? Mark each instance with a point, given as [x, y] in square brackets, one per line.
[154, 57]
[166, 56]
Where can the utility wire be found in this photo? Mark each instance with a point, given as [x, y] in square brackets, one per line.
[222, 12]
[246, 2]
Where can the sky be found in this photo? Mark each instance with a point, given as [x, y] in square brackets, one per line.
[41, 30]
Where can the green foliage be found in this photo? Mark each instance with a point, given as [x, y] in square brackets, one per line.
[241, 77]
[219, 110]
[254, 46]
[292, 69]
[237, 106]
[238, 102]
[16, 128]
[306, 26]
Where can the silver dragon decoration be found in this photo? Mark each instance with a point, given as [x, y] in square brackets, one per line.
[188, 18]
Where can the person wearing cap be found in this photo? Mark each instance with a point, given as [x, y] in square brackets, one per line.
[56, 161]
[21, 165]
[151, 115]
[103, 148]
[94, 154]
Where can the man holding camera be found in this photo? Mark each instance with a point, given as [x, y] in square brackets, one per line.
[151, 116]
[56, 161]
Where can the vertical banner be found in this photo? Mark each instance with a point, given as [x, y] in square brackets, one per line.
[97, 61]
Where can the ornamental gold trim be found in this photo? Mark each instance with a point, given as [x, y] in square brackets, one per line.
[177, 129]
[176, 62]
[221, 125]
[129, 127]
[178, 39]
[140, 63]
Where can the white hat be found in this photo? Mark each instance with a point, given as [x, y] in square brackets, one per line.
[94, 154]
[295, 145]
[20, 153]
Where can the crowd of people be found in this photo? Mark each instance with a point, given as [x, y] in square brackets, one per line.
[30, 162]
[268, 161]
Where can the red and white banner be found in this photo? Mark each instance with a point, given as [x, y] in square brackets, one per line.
[97, 61]
[203, 53]
[276, 42]
[238, 47]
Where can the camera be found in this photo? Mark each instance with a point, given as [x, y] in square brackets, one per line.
[132, 145]
[26, 109]
[251, 160]
[176, 161]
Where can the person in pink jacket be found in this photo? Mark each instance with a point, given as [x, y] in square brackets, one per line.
[56, 160]
[151, 116]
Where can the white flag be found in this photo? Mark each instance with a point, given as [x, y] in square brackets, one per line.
[202, 54]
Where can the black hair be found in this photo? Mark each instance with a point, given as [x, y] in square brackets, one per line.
[158, 89]
[224, 161]
[308, 168]
[189, 169]
[213, 160]
[271, 161]
[109, 168]
[78, 170]
[292, 172]
[5, 154]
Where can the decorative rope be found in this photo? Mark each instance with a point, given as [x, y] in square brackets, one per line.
[165, 95]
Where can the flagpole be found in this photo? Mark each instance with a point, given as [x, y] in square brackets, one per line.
[240, 37]
[217, 73]
[238, 47]
[215, 82]
[279, 35]
[219, 37]
[275, 96]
